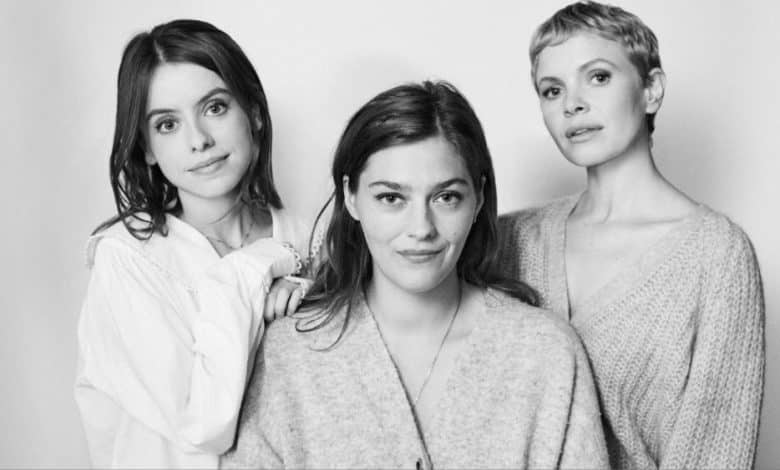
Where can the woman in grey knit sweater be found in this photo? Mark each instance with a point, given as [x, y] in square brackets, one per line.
[664, 292]
[413, 352]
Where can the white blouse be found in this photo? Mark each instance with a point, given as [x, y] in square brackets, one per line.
[167, 337]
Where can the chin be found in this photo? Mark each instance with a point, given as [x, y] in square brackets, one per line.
[418, 283]
[220, 188]
[586, 157]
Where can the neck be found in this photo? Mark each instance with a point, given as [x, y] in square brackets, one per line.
[400, 310]
[623, 187]
[224, 218]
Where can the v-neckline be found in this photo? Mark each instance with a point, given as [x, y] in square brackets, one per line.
[391, 372]
[627, 276]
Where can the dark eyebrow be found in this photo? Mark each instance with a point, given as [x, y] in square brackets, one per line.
[400, 187]
[450, 182]
[580, 68]
[389, 184]
[206, 97]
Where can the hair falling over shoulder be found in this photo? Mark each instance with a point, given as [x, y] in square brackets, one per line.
[404, 114]
[142, 194]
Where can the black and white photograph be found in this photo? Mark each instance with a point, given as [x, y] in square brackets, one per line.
[415, 234]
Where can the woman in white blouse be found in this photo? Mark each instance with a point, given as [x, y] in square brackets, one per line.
[180, 276]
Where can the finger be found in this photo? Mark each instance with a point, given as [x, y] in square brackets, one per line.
[270, 302]
[295, 300]
[280, 303]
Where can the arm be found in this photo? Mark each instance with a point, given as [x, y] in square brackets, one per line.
[717, 426]
[173, 358]
[584, 446]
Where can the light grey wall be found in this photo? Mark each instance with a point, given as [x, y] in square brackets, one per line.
[717, 139]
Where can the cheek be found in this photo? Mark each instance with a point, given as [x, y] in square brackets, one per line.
[166, 151]
[630, 101]
[235, 131]
[379, 228]
[550, 117]
[456, 227]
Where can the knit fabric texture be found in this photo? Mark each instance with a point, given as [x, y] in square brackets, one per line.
[521, 395]
[675, 340]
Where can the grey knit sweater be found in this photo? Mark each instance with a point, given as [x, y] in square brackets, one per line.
[676, 340]
[521, 396]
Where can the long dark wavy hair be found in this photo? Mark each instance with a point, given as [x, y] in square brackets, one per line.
[402, 115]
[141, 192]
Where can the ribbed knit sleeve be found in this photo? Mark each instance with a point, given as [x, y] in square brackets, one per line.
[675, 342]
[717, 426]
[584, 442]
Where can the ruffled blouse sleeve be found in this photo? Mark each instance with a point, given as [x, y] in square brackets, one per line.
[173, 356]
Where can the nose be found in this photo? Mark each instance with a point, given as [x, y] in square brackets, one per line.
[574, 103]
[200, 138]
[421, 224]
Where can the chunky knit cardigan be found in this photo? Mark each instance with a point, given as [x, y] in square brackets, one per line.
[521, 395]
[675, 340]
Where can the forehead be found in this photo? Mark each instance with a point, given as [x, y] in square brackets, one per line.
[577, 50]
[419, 164]
[176, 85]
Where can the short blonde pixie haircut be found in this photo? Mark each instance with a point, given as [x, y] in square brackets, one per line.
[607, 21]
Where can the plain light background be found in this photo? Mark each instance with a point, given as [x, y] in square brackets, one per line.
[716, 138]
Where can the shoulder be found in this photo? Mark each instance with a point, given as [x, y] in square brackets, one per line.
[732, 278]
[724, 241]
[532, 218]
[112, 240]
[291, 228]
[291, 338]
[719, 229]
[116, 251]
[517, 319]
[282, 334]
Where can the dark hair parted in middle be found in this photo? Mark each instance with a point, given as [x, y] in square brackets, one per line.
[403, 115]
[141, 192]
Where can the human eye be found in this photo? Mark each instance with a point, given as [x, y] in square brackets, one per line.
[216, 108]
[166, 126]
[550, 92]
[600, 77]
[389, 199]
[448, 198]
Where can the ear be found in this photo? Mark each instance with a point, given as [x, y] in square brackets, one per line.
[257, 122]
[654, 90]
[150, 158]
[349, 199]
[480, 198]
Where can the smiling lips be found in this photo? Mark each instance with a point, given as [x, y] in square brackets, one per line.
[582, 133]
[208, 165]
[419, 256]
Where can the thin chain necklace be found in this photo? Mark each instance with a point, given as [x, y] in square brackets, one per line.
[243, 238]
[435, 356]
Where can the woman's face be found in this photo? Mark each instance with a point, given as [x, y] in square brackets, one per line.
[592, 99]
[197, 133]
[416, 204]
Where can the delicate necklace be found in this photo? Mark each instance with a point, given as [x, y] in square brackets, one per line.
[435, 356]
[243, 239]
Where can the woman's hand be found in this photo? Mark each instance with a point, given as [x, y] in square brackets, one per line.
[283, 299]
